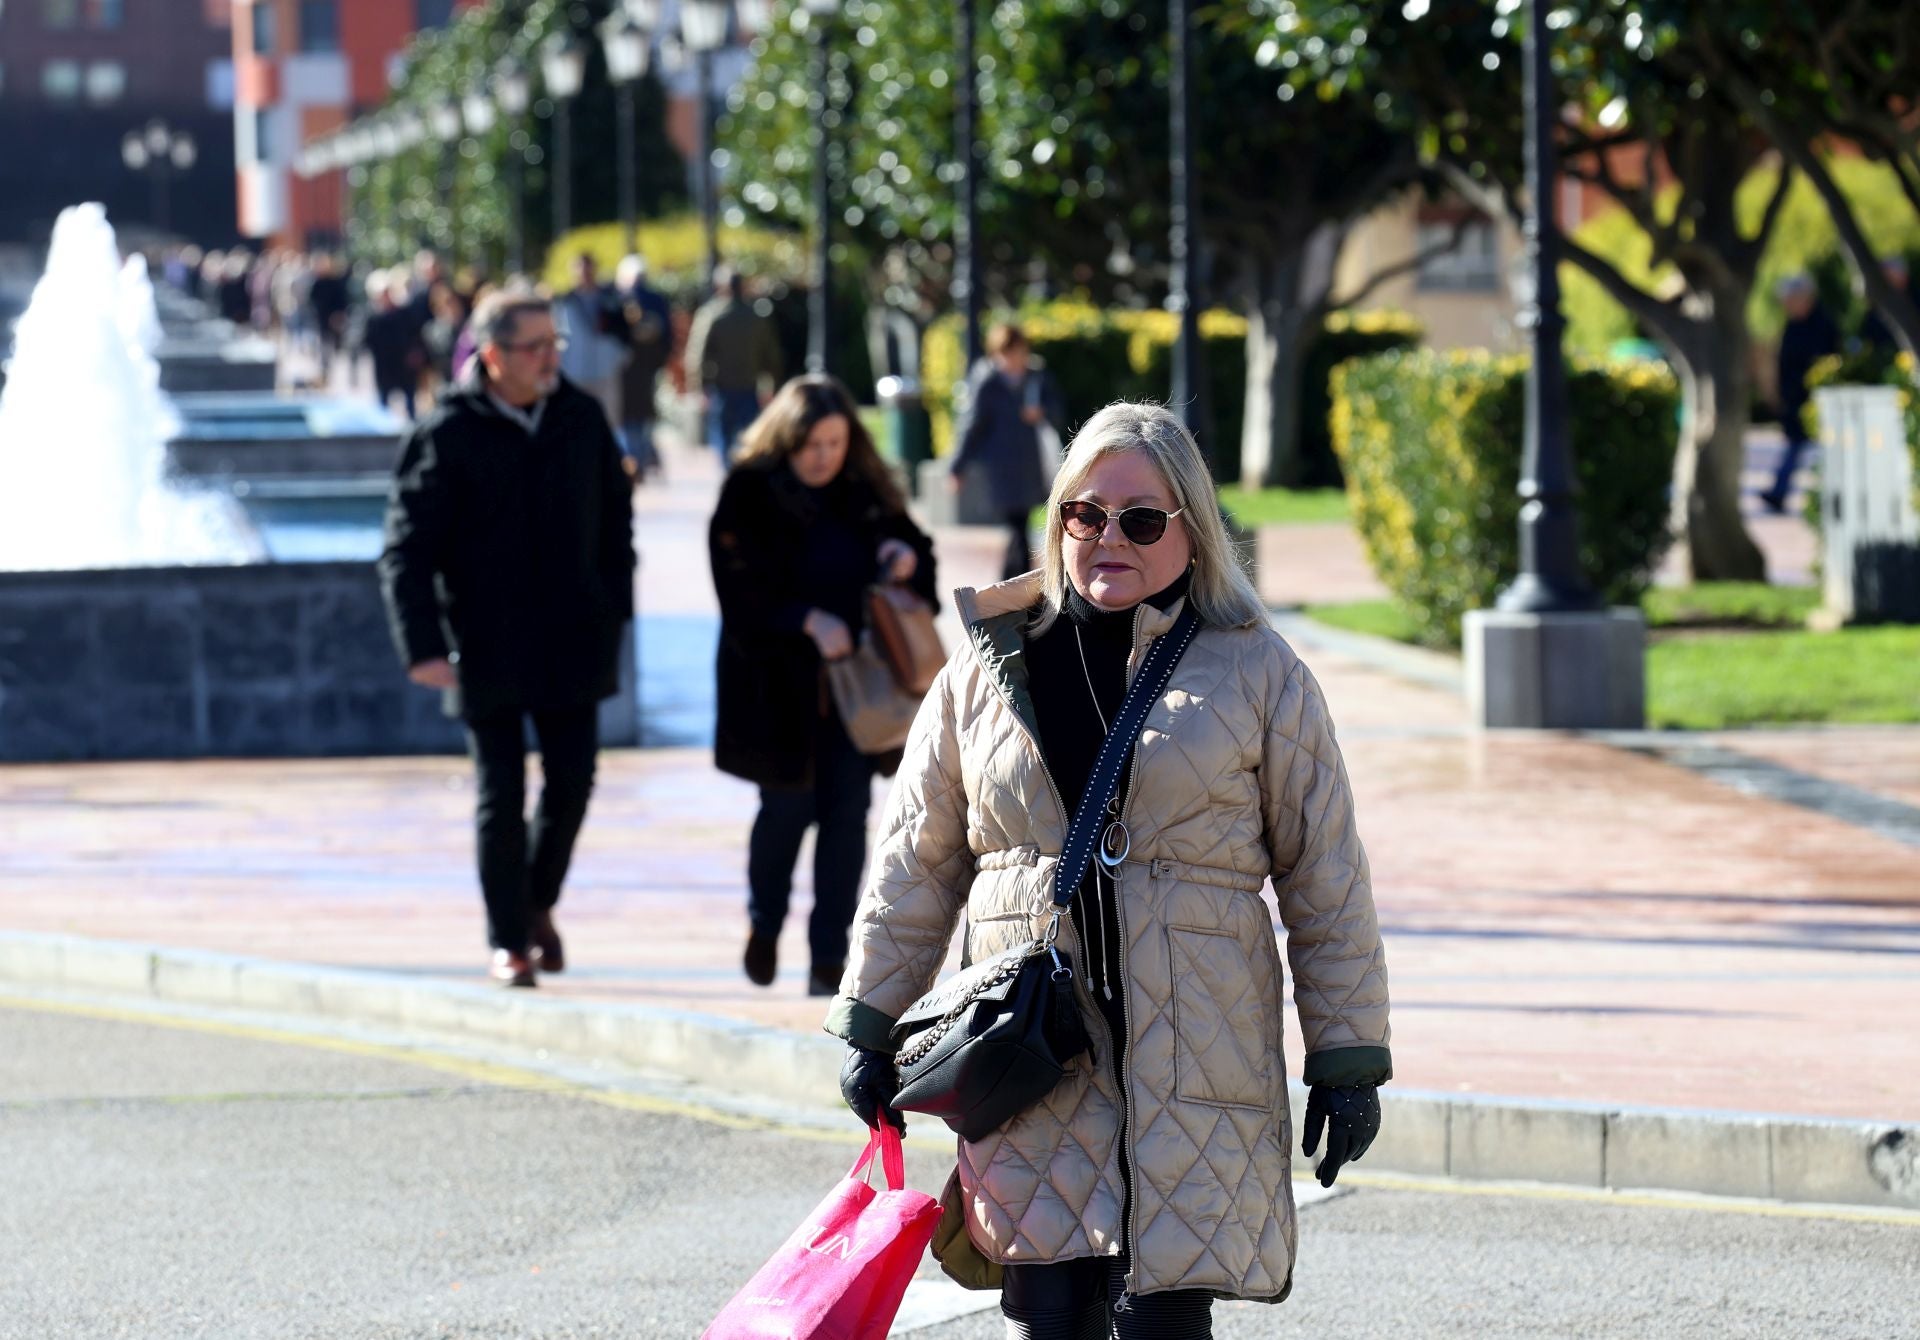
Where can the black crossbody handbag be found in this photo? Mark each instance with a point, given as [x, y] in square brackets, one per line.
[983, 1047]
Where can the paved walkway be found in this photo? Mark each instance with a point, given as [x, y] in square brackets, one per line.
[1607, 921]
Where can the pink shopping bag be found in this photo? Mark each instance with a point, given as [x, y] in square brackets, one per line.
[843, 1272]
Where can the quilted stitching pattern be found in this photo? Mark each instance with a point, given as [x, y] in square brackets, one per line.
[1239, 780]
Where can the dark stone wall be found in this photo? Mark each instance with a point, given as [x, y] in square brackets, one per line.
[266, 660]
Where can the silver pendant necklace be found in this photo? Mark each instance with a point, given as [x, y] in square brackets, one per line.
[1115, 840]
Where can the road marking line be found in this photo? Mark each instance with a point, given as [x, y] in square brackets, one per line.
[1648, 1199]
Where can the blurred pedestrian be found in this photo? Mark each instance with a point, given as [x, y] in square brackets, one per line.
[1155, 1177]
[649, 321]
[1808, 336]
[391, 338]
[733, 361]
[808, 519]
[329, 300]
[593, 331]
[508, 575]
[441, 334]
[1012, 408]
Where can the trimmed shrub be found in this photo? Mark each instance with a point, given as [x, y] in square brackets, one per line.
[1431, 445]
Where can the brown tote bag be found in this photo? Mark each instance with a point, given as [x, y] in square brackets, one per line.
[905, 637]
[874, 708]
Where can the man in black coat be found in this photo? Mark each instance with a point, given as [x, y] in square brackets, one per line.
[508, 574]
[1809, 336]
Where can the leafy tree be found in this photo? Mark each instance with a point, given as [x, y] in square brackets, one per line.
[1645, 112]
[1813, 78]
[1074, 123]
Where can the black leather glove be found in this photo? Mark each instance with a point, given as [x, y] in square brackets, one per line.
[1351, 1118]
[868, 1082]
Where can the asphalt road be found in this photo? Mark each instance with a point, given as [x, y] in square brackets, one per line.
[196, 1177]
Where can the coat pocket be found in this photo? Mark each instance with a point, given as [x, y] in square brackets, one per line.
[1221, 1050]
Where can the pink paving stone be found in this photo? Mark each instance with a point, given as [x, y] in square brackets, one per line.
[1563, 919]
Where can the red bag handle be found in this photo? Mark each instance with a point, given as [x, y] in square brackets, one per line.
[893, 1157]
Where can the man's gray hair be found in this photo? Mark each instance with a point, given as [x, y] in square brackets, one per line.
[497, 318]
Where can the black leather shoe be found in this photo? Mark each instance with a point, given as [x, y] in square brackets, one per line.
[762, 959]
[824, 979]
[548, 954]
[510, 969]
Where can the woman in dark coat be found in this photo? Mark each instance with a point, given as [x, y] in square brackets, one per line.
[808, 519]
[1009, 402]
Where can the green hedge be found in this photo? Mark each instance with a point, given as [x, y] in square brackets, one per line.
[1099, 356]
[1431, 444]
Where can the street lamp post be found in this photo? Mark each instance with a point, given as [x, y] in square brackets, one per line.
[444, 119]
[966, 224]
[703, 27]
[1183, 240]
[562, 68]
[1550, 579]
[510, 87]
[820, 14]
[1547, 656]
[628, 40]
[158, 151]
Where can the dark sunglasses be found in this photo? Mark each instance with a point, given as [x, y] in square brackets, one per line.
[1141, 525]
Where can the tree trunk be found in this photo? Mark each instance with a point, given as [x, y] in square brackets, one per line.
[1716, 389]
[1286, 305]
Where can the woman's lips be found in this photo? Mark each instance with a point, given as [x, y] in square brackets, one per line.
[1111, 567]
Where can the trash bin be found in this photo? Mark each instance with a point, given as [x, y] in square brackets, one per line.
[909, 428]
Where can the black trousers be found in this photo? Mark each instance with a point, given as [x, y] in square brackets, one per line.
[1019, 553]
[837, 805]
[522, 865]
[1074, 1300]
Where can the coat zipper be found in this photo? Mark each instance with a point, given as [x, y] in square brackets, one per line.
[1125, 1301]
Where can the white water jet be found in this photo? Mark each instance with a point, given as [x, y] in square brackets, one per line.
[84, 424]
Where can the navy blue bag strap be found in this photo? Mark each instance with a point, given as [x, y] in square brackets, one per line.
[1147, 687]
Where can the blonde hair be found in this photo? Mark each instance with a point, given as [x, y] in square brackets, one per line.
[1221, 593]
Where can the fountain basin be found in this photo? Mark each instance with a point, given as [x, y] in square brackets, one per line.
[284, 660]
[216, 357]
[255, 436]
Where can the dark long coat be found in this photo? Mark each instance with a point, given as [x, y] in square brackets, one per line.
[513, 554]
[993, 438]
[769, 680]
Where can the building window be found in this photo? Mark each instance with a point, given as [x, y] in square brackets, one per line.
[109, 13]
[60, 80]
[432, 13]
[1471, 267]
[263, 32]
[262, 151]
[106, 81]
[60, 13]
[319, 25]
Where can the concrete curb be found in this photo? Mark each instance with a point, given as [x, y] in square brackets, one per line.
[1801, 1159]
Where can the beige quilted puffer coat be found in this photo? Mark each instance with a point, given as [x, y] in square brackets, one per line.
[1237, 780]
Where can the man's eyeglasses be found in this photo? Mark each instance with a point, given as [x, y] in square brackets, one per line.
[1141, 525]
[548, 346]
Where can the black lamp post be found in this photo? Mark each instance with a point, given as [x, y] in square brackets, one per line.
[562, 68]
[1550, 579]
[628, 40]
[820, 14]
[966, 224]
[703, 27]
[444, 120]
[510, 87]
[158, 150]
[1183, 233]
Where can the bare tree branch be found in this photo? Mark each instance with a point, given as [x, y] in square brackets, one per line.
[1414, 262]
[1664, 315]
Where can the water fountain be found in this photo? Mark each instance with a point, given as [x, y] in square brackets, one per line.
[141, 617]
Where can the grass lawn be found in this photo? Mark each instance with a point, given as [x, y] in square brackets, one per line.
[1736, 654]
[1710, 681]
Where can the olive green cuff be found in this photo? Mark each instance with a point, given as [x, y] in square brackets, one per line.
[1344, 1067]
[861, 1025]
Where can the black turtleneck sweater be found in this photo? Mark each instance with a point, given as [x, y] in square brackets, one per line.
[1064, 694]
